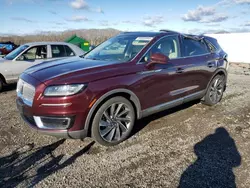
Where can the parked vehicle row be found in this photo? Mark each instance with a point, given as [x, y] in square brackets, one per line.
[27, 55]
[7, 47]
[128, 77]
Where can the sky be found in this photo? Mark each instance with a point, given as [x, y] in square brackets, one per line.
[195, 16]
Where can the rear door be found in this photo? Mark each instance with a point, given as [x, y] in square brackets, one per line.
[199, 64]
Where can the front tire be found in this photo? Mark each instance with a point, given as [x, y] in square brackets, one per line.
[215, 90]
[1, 84]
[113, 121]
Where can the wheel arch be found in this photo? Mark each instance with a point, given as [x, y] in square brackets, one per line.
[3, 79]
[218, 72]
[128, 94]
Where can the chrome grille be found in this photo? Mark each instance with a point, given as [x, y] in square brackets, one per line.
[26, 92]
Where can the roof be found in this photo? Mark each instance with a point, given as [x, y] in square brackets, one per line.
[45, 43]
[150, 34]
[140, 33]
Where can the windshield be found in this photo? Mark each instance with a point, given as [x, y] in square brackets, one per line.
[120, 48]
[12, 55]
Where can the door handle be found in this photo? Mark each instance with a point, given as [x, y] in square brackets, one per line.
[179, 70]
[210, 65]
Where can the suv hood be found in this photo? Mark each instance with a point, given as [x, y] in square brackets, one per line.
[52, 69]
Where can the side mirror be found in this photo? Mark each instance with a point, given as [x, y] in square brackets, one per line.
[158, 58]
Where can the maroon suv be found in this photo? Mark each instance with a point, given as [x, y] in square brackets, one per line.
[128, 77]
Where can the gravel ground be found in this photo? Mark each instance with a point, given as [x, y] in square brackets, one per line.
[189, 146]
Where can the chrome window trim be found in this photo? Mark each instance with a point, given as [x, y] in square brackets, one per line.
[182, 57]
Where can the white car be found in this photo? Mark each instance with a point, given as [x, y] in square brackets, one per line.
[27, 55]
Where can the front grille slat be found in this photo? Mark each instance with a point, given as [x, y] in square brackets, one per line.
[26, 91]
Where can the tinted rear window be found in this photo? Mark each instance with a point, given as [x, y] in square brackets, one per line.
[214, 43]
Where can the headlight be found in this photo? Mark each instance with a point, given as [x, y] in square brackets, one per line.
[64, 90]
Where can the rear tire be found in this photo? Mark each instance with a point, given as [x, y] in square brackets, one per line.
[215, 90]
[1, 84]
[113, 121]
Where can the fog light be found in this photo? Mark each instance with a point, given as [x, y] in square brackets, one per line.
[54, 122]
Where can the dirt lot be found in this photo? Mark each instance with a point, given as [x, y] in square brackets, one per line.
[189, 146]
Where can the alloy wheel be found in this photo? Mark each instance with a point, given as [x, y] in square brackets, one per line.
[216, 90]
[115, 122]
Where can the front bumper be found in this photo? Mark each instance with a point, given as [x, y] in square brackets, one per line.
[26, 114]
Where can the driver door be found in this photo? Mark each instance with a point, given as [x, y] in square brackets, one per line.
[165, 85]
[30, 57]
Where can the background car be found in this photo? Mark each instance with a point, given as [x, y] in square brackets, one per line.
[7, 47]
[27, 55]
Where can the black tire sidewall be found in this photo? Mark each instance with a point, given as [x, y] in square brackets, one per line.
[1, 85]
[207, 97]
[95, 124]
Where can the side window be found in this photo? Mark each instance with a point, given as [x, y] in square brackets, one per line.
[69, 51]
[193, 47]
[58, 51]
[211, 46]
[37, 52]
[168, 46]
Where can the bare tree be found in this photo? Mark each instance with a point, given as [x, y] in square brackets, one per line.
[94, 36]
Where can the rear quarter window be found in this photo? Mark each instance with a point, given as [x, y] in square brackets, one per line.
[213, 45]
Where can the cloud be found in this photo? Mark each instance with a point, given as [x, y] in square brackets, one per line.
[245, 11]
[247, 24]
[98, 10]
[213, 25]
[78, 19]
[10, 2]
[198, 14]
[79, 4]
[82, 4]
[58, 23]
[104, 23]
[151, 21]
[239, 30]
[52, 12]
[22, 19]
[241, 2]
[215, 19]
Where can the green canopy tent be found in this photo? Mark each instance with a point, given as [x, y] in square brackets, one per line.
[82, 43]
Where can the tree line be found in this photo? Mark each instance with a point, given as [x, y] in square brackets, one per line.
[94, 36]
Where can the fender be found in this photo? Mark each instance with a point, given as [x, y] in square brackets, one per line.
[133, 98]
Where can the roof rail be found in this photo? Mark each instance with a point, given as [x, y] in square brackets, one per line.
[168, 31]
[194, 37]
